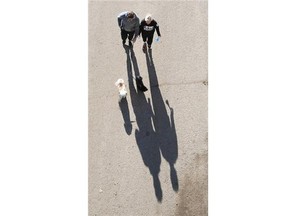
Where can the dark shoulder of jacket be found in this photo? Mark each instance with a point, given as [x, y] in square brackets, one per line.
[154, 23]
[143, 21]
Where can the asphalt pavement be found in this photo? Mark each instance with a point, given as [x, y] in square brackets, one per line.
[148, 154]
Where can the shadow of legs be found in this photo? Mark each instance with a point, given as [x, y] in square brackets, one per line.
[157, 187]
[174, 178]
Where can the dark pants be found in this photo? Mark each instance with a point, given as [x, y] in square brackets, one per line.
[125, 34]
[148, 38]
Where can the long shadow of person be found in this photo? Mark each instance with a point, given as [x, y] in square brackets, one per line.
[144, 135]
[164, 127]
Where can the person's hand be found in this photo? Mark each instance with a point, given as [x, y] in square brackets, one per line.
[158, 39]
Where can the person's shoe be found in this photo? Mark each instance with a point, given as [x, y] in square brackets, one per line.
[130, 44]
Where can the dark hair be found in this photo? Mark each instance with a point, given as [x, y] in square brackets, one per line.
[130, 14]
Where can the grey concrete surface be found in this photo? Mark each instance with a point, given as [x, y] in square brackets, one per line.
[148, 154]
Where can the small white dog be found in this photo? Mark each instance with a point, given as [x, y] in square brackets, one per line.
[122, 89]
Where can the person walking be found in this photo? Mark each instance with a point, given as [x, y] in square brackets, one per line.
[147, 29]
[129, 26]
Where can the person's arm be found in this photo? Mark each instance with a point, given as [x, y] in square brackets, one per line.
[141, 28]
[157, 29]
[137, 31]
[120, 17]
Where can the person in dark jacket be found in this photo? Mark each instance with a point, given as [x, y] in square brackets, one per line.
[129, 26]
[147, 29]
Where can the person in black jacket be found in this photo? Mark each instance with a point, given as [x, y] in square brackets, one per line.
[147, 29]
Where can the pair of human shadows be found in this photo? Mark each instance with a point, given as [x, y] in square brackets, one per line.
[162, 138]
[164, 126]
